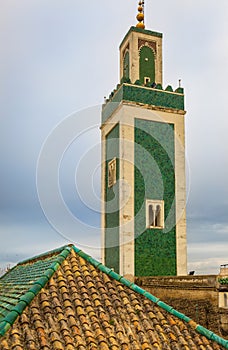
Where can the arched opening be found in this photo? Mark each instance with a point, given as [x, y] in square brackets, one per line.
[158, 216]
[151, 215]
[147, 65]
[126, 68]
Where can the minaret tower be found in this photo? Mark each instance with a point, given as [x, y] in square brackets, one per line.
[143, 157]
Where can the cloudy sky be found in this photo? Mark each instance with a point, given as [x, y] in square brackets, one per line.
[58, 59]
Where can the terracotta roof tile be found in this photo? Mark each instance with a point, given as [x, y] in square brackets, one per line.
[82, 307]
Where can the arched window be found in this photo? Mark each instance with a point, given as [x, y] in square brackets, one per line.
[151, 215]
[112, 172]
[155, 214]
[126, 63]
[146, 65]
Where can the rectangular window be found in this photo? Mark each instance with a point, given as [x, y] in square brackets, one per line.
[112, 172]
[155, 214]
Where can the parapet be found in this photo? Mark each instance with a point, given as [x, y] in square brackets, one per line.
[144, 94]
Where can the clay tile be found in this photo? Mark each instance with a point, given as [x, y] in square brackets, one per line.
[145, 346]
[83, 320]
[97, 303]
[155, 345]
[91, 341]
[90, 285]
[69, 312]
[125, 300]
[81, 261]
[172, 337]
[80, 283]
[57, 345]
[88, 278]
[38, 324]
[69, 347]
[77, 302]
[72, 286]
[94, 273]
[59, 276]
[81, 347]
[42, 337]
[68, 271]
[24, 318]
[58, 309]
[76, 271]
[103, 345]
[192, 324]
[15, 332]
[93, 290]
[171, 321]
[67, 303]
[60, 317]
[66, 295]
[45, 303]
[5, 345]
[61, 284]
[79, 311]
[64, 289]
[75, 330]
[66, 336]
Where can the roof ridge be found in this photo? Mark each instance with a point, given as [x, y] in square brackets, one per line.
[198, 328]
[43, 255]
[36, 287]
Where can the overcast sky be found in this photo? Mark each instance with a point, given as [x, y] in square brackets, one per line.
[58, 59]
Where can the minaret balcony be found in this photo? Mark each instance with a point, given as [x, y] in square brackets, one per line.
[149, 96]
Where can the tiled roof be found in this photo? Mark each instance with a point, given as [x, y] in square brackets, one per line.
[67, 300]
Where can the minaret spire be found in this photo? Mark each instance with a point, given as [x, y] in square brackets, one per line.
[140, 15]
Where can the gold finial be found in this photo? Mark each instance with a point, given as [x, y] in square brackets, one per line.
[140, 15]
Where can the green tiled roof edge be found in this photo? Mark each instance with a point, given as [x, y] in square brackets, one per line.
[27, 298]
[200, 329]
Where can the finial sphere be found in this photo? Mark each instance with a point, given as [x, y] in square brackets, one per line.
[140, 17]
[141, 25]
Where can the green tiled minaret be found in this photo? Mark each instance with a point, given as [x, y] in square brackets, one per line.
[143, 157]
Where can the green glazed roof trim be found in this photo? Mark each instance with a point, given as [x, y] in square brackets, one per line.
[140, 30]
[21, 284]
[145, 95]
[201, 330]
